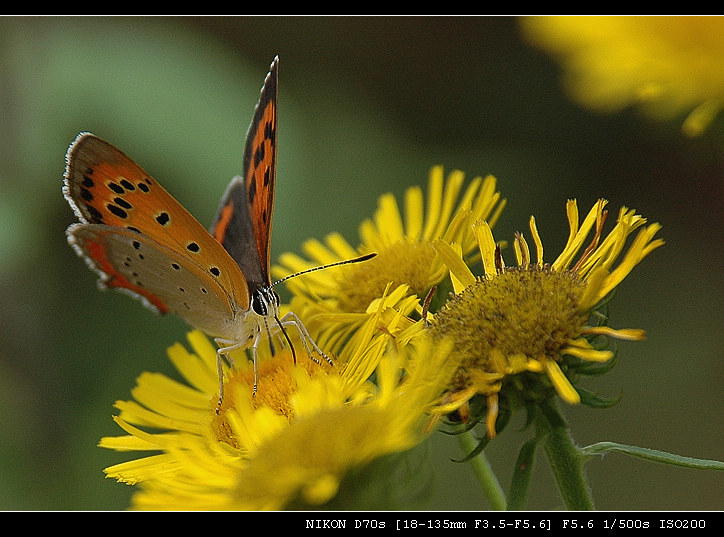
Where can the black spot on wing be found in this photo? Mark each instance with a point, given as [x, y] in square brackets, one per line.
[122, 203]
[163, 218]
[120, 213]
[252, 191]
[115, 187]
[125, 183]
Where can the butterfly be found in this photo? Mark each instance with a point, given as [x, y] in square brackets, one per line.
[142, 241]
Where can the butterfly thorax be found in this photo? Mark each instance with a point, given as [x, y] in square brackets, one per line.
[262, 315]
[248, 325]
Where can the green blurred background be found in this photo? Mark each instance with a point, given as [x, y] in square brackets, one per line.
[367, 105]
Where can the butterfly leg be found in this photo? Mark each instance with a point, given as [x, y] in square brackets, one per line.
[220, 369]
[224, 350]
[291, 319]
[254, 362]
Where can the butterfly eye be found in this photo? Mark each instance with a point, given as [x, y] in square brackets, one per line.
[265, 301]
[259, 302]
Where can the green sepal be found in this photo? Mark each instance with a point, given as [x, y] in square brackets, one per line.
[594, 400]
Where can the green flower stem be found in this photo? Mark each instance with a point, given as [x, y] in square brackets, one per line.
[565, 459]
[483, 472]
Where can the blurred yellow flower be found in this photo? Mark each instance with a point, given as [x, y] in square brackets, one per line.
[308, 426]
[670, 65]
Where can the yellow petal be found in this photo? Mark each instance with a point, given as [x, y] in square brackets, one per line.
[560, 382]
[414, 215]
[388, 219]
[536, 240]
[138, 470]
[486, 243]
[459, 271]
[630, 334]
[590, 354]
[492, 414]
[318, 251]
[340, 246]
[522, 251]
[701, 117]
[592, 294]
[640, 248]
[321, 489]
[434, 201]
[577, 234]
[452, 189]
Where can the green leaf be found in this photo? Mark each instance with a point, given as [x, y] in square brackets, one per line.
[518, 496]
[653, 455]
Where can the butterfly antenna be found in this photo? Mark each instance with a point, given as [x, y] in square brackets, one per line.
[321, 267]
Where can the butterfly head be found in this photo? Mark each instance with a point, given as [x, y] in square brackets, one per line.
[265, 302]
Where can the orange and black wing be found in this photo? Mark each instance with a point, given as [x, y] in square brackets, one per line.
[243, 222]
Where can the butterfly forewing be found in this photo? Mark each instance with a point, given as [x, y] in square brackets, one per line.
[104, 186]
[243, 221]
[107, 188]
[260, 157]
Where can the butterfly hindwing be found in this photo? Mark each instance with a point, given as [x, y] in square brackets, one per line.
[161, 277]
[233, 228]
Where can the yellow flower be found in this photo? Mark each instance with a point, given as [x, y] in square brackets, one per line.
[308, 426]
[341, 297]
[671, 64]
[527, 326]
